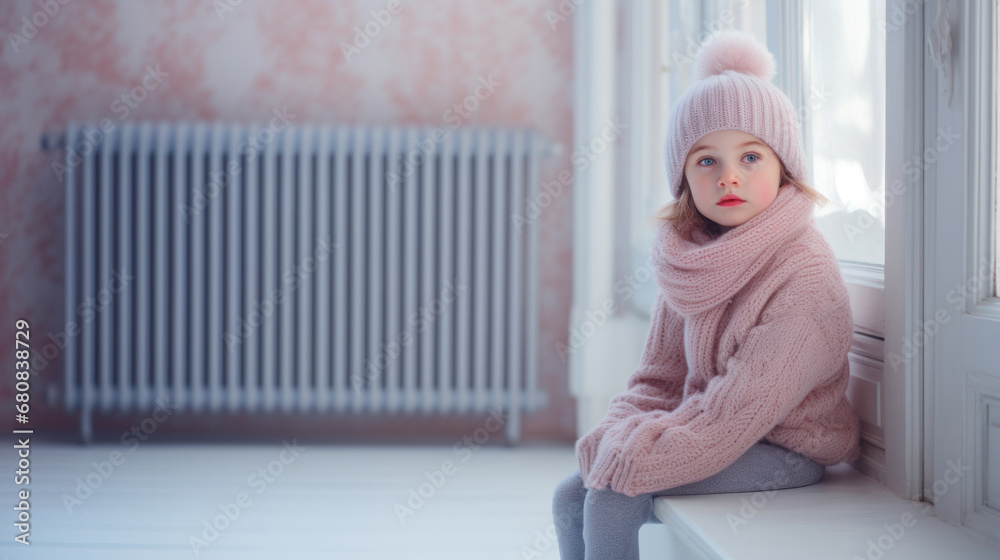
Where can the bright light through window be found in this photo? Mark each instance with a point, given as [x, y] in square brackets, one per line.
[844, 115]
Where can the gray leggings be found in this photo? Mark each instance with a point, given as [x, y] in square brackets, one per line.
[604, 524]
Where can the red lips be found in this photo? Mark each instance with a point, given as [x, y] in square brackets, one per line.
[730, 200]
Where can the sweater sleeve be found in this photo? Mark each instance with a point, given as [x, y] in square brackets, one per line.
[655, 386]
[778, 364]
[658, 382]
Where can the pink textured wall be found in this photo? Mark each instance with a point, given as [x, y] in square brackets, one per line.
[188, 62]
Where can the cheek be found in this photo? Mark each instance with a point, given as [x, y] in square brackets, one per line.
[765, 186]
[702, 196]
[699, 181]
[697, 187]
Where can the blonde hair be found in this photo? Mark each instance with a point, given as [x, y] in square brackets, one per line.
[683, 213]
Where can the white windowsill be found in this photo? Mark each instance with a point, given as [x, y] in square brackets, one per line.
[845, 516]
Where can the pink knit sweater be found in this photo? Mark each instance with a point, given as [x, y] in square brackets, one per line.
[748, 341]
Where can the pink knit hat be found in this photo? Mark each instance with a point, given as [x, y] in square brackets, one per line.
[733, 92]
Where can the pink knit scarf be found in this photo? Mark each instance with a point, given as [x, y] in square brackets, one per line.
[697, 273]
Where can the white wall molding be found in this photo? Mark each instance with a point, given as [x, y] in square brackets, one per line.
[601, 334]
[903, 403]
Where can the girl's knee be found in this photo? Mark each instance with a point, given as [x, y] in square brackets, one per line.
[609, 504]
[568, 498]
[816, 473]
[804, 472]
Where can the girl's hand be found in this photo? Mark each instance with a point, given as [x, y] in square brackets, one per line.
[611, 451]
[623, 429]
[601, 448]
[641, 440]
[587, 446]
[604, 465]
[636, 428]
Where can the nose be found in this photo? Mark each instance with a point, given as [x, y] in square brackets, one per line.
[729, 177]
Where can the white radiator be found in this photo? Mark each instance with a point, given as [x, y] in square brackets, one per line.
[344, 269]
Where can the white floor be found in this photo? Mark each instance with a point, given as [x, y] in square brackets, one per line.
[155, 501]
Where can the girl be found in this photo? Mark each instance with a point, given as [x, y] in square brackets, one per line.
[741, 386]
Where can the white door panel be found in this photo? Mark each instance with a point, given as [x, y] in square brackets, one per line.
[961, 330]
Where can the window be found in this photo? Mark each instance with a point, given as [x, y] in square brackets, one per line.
[843, 116]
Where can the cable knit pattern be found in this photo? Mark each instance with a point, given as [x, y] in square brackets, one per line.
[748, 341]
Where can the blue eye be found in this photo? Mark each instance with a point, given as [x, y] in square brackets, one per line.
[754, 156]
[703, 160]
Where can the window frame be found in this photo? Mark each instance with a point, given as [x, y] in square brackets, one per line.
[963, 374]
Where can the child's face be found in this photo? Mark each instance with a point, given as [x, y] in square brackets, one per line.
[732, 162]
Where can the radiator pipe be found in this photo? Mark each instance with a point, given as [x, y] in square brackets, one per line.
[57, 140]
[53, 141]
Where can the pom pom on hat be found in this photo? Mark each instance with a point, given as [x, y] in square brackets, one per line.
[736, 51]
[733, 92]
